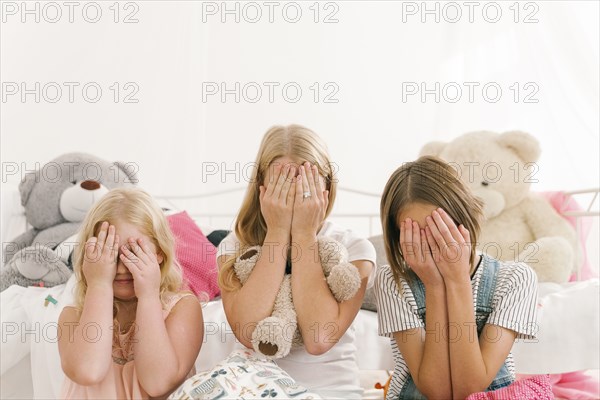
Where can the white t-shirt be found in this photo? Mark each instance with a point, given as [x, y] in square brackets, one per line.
[514, 304]
[335, 373]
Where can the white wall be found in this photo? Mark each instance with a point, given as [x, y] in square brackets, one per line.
[368, 54]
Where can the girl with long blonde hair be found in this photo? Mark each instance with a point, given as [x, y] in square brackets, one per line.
[286, 206]
[131, 332]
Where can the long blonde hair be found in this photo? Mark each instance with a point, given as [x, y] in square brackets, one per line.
[427, 180]
[293, 141]
[135, 207]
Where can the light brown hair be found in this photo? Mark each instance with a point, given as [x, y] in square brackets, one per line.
[428, 180]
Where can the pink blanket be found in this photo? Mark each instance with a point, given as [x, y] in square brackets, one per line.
[575, 385]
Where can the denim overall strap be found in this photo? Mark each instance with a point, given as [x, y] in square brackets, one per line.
[409, 390]
[483, 309]
[487, 286]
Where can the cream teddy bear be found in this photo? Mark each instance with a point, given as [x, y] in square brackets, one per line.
[275, 335]
[519, 224]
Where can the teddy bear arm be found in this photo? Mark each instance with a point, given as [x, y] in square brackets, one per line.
[57, 234]
[20, 242]
[344, 281]
[273, 336]
[544, 221]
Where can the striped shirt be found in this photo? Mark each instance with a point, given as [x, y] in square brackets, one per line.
[514, 307]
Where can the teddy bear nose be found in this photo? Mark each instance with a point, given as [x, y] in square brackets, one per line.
[484, 183]
[90, 185]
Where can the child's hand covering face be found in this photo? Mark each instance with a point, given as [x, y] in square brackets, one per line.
[451, 246]
[414, 243]
[142, 261]
[100, 258]
[311, 202]
[432, 245]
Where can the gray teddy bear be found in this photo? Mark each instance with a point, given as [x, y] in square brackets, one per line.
[56, 198]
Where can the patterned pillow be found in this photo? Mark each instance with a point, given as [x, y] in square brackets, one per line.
[196, 255]
[244, 374]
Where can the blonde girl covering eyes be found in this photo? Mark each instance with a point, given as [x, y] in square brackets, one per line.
[147, 330]
[286, 207]
[140, 210]
[279, 141]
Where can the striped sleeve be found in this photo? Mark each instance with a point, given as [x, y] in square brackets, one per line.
[515, 300]
[395, 311]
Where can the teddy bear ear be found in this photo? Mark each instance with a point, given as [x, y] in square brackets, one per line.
[523, 144]
[26, 186]
[130, 171]
[432, 149]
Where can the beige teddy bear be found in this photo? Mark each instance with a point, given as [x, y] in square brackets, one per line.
[275, 336]
[519, 225]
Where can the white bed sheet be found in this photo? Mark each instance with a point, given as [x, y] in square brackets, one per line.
[567, 337]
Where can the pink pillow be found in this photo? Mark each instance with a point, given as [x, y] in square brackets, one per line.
[536, 387]
[196, 255]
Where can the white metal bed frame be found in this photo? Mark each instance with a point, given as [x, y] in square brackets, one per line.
[172, 201]
[587, 200]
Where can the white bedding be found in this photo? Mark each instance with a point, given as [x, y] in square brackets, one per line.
[29, 332]
[568, 337]
[30, 367]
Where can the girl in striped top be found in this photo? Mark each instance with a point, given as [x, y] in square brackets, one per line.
[452, 314]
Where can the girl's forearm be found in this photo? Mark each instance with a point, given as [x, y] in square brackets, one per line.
[317, 310]
[255, 299]
[434, 376]
[92, 337]
[156, 362]
[469, 373]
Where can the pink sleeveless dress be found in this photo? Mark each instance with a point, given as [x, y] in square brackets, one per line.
[121, 382]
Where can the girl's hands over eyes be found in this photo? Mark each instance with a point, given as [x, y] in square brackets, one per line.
[142, 262]
[277, 199]
[451, 246]
[414, 243]
[100, 258]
